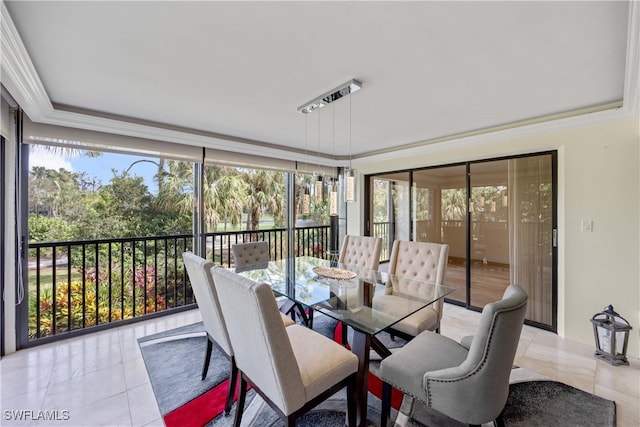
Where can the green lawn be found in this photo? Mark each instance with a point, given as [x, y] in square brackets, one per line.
[46, 277]
[266, 223]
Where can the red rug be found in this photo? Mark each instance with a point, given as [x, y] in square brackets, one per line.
[374, 383]
[202, 409]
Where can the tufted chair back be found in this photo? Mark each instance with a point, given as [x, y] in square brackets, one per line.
[423, 261]
[250, 255]
[419, 260]
[361, 251]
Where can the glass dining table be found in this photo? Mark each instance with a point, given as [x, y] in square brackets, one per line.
[368, 301]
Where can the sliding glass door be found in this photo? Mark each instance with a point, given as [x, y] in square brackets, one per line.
[498, 218]
[390, 210]
[439, 215]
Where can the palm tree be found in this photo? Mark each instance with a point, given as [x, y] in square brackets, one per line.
[231, 191]
[264, 186]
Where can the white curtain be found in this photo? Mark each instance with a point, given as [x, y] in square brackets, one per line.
[530, 232]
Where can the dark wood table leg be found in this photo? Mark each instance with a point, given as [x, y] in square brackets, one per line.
[360, 347]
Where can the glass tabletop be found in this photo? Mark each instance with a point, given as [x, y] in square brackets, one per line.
[367, 300]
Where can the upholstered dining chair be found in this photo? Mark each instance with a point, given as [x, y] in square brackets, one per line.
[199, 271]
[416, 260]
[361, 251]
[250, 255]
[293, 368]
[204, 289]
[467, 381]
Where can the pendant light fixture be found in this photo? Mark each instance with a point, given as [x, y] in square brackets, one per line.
[333, 186]
[306, 197]
[318, 176]
[349, 173]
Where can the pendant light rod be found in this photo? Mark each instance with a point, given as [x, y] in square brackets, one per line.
[341, 91]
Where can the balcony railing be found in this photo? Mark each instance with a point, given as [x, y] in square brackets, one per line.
[81, 285]
[383, 230]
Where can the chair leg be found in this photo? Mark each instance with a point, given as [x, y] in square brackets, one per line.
[241, 397]
[385, 412]
[232, 386]
[290, 421]
[344, 335]
[499, 422]
[310, 317]
[207, 357]
[351, 402]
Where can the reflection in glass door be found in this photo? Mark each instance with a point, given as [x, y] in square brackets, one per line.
[439, 216]
[489, 234]
[390, 210]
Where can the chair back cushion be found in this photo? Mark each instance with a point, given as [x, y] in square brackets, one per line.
[420, 260]
[250, 255]
[262, 348]
[199, 271]
[361, 251]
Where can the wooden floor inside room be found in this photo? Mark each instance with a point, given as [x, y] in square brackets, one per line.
[488, 280]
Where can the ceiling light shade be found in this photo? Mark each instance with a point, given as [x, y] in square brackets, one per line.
[333, 198]
[331, 96]
[349, 185]
[318, 187]
[306, 199]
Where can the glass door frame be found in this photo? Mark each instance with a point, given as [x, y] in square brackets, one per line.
[367, 212]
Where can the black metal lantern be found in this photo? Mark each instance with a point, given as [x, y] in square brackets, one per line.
[611, 332]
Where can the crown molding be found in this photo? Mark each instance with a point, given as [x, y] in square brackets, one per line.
[19, 75]
[21, 79]
[632, 70]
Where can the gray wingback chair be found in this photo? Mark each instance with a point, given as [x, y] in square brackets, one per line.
[467, 381]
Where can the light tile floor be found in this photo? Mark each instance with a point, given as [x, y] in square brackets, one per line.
[100, 379]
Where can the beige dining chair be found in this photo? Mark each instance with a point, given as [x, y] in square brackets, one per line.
[293, 368]
[204, 289]
[199, 271]
[467, 381]
[424, 262]
[252, 255]
[361, 251]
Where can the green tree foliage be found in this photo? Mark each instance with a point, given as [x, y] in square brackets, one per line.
[45, 229]
[124, 207]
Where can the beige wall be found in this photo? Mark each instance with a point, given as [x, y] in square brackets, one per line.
[599, 180]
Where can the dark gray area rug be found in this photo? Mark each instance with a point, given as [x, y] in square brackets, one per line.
[551, 403]
[174, 361]
[330, 413]
[532, 404]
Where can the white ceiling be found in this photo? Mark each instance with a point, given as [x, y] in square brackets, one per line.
[240, 69]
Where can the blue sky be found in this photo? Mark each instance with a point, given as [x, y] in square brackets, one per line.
[98, 167]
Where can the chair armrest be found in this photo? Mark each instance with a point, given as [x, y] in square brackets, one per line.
[466, 341]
